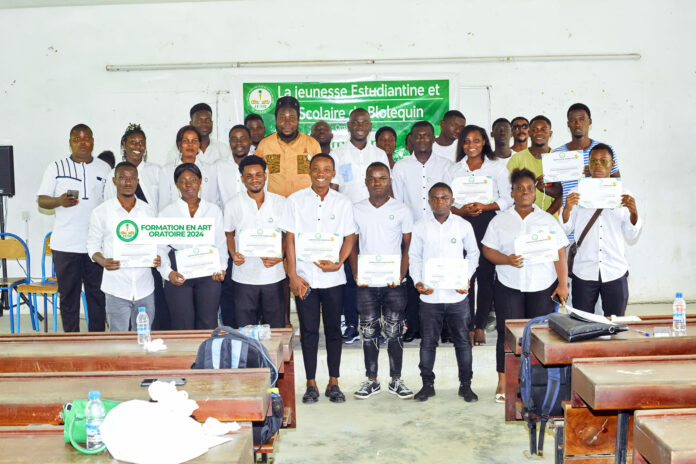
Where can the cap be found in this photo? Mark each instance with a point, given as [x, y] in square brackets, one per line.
[141, 309]
[94, 395]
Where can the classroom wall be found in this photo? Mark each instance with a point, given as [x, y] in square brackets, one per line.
[52, 76]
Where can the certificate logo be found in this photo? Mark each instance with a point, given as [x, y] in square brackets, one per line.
[260, 99]
[127, 231]
[391, 216]
[471, 180]
[535, 237]
[561, 155]
[259, 231]
[378, 258]
[317, 235]
[453, 240]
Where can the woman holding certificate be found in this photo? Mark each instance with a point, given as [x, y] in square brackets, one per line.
[481, 186]
[527, 246]
[193, 271]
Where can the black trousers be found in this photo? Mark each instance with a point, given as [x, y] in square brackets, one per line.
[514, 304]
[614, 295]
[328, 302]
[193, 305]
[72, 271]
[267, 300]
[162, 320]
[227, 312]
[412, 306]
[481, 297]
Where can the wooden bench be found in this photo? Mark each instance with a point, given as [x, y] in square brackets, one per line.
[663, 436]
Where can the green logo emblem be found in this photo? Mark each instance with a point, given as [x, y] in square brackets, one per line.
[127, 231]
[317, 235]
[260, 99]
[471, 179]
[454, 240]
[535, 237]
[259, 231]
[332, 217]
[378, 258]
[391, 216]
[270, 219]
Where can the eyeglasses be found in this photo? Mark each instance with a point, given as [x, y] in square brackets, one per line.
[520, 126]
[600, 162]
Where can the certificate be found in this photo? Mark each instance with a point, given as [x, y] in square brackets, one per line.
[261, 243]
[600, 193]
[379, 270]
[199, 261]
[134, 255]
[473, 189]
[560, 166]
[317, 246]
[537, 248]
[446, 273]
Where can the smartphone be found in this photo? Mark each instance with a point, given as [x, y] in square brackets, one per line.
[557, 300]
[73, 193]
[305, 293]
[177, 381]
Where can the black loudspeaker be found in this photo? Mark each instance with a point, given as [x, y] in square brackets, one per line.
[7, 180]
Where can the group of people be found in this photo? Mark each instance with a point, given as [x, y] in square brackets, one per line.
[298, 183]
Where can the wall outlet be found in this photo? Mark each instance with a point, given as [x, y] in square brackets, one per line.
[26, 215]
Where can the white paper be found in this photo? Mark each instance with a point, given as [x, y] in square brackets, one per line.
[379, 270]
[446, 273]
[561, 166]
[200, 261]
[260, 243]
[473, 189]
[135, 255]
[317, 246]
[588, 317]
[600, 193]
[537, 248]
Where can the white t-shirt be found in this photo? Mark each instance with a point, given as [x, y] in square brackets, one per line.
[351, 167]
[449, 152]
[215, 151]
[497, 169]
[148, 179]
[241, 213]
[412, 180]
[71, 224]
[168, 193]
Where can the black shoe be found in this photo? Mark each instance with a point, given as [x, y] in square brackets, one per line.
[426, 392]
[350, 335]
[335, 394]
[466, 393]
[311, 395]
[410, 336]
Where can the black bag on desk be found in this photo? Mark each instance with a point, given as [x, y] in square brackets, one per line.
[572, 329]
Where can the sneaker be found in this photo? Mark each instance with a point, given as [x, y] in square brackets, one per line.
[466, 393]
[399, 388]
[351, 334]
[426, 392]
[311, 395]
[491, 322]
[335, 394]
[343, 324]
[367, 389]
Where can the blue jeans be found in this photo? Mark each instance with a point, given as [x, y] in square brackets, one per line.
[457, 317]
[375, 303]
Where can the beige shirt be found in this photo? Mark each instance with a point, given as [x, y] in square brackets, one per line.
[288, 163]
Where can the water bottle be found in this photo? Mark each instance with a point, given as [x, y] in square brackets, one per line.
[679, 316]
[143, 323]
[95, 416]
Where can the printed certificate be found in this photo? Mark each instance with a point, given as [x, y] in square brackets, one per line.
[261, 243]
[200, 261]
[473, 189]
[560, 166]
[317, 246]
[600, 193]
[537, 248]
[446, 273]
[379, 270]
[133, 255]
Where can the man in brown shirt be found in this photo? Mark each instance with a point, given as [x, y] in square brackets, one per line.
[287, 152]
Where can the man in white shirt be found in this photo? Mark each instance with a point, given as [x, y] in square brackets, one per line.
[74, 186]
[319, 209]
[258, 281]
[128, 288]
[600, 266]
[443, 235]
[211, 149]
[384, 230]
[446, 143]
[322, 133]
[257, 130]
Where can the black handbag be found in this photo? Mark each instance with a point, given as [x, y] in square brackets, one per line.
[572, 329]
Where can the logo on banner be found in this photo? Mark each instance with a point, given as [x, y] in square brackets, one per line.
[260, 99]
[127, 231]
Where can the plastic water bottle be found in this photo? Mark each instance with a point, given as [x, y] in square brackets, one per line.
[143, 323]
[94, 414]
[679, 316]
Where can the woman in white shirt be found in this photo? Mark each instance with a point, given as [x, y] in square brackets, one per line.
[193, 303]
[523, 291]
[476, 162]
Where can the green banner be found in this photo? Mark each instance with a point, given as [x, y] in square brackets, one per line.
[397, 104]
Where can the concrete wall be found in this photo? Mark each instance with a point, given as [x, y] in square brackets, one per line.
[52, 75]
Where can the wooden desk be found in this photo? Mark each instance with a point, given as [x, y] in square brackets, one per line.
[44, 444]
[38, 398]
[663, 436]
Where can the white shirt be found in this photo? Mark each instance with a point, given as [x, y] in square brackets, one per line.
[148, 179]
[351, 167]
[306, 212]
[71, 224]
[412, 180]
[168, 193]
[241, 213]
[132, 283]
[602, 251]
[449, 152]
[215, 151]
[205, 210]
[497, 169]
[229, 180]
[447, 240]
[500, 236]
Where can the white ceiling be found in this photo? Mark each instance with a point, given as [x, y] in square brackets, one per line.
[5, 4]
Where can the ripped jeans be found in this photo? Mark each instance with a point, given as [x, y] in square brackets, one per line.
[375, 303]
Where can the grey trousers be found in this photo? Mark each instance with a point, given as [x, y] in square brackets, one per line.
[120, 313]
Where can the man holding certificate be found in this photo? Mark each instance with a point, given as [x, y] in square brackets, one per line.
[600, 266]
[380, 262]
[127, 280]
[254, 240]
[527, 246]
[320, 235]
[442, 275]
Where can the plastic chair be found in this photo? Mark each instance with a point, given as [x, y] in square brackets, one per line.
[13, 247]
[47, 286]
